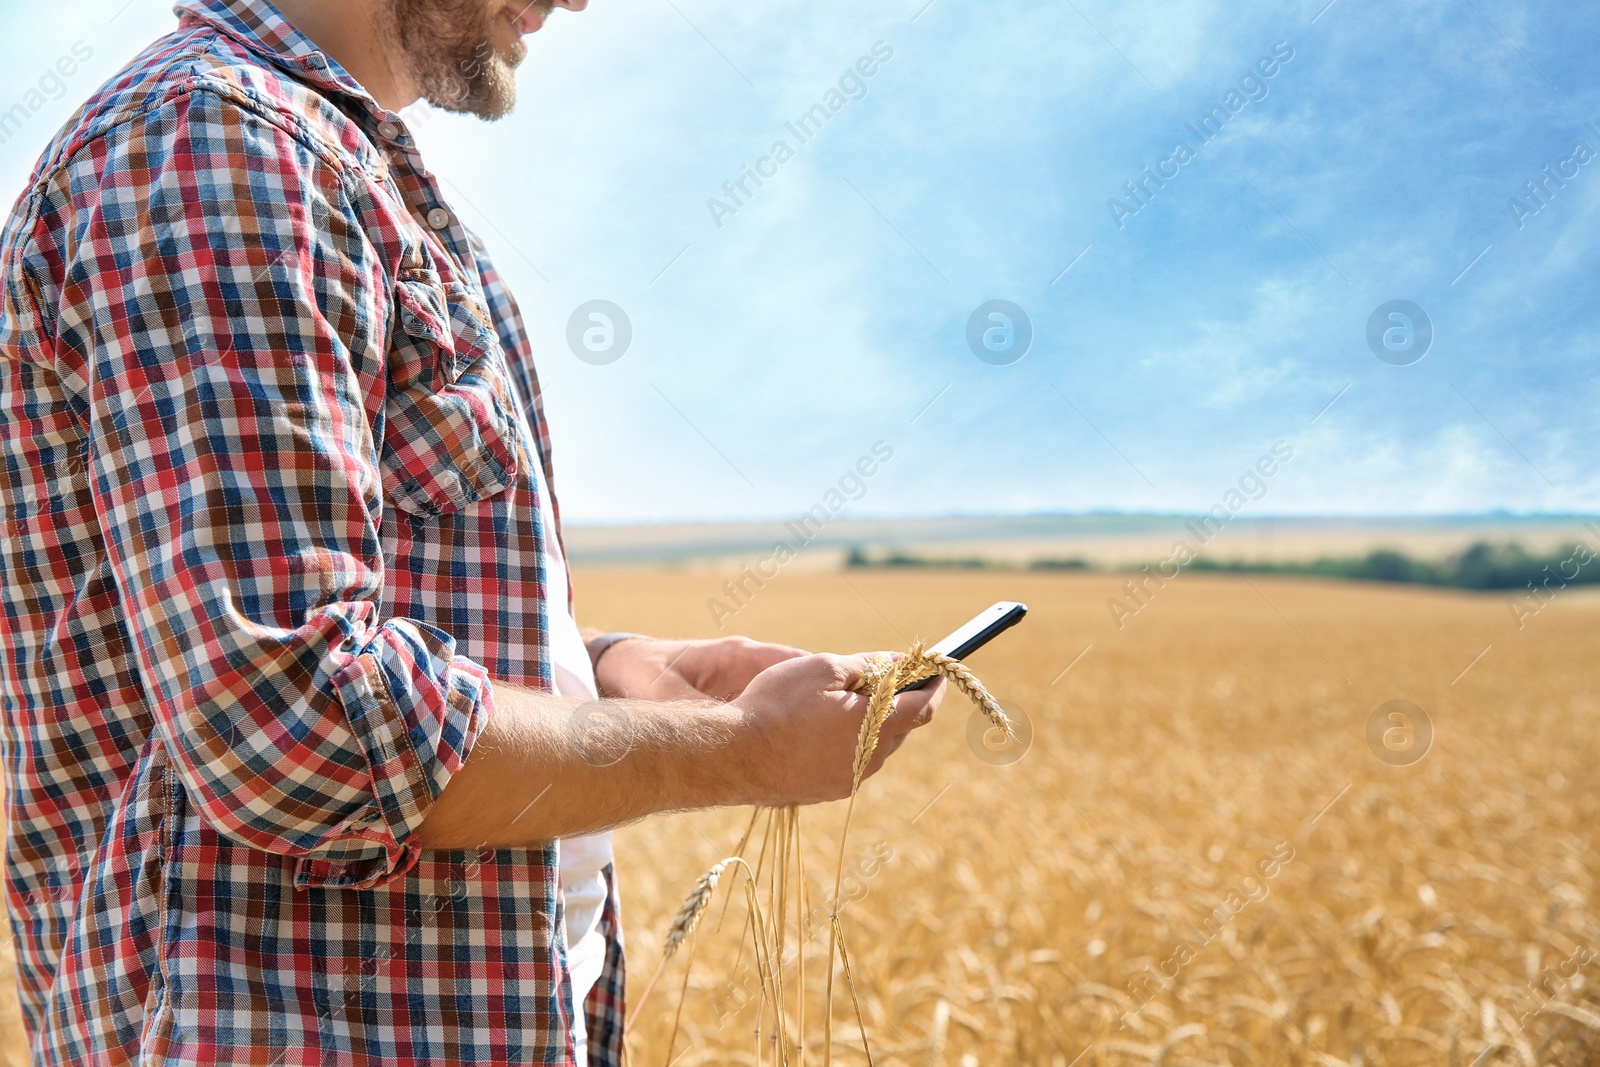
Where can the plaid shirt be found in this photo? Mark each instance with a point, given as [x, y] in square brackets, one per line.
[268, 419]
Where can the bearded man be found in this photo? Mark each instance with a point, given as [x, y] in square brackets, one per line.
[307, 760]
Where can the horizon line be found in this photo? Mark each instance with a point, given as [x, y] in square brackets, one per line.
[1497, 514]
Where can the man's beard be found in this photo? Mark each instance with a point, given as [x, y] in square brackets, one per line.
[451, 49]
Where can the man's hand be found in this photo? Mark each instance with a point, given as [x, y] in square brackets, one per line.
[721, 669]
[805, 723]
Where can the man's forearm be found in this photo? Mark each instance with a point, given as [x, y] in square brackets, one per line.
[547, 767]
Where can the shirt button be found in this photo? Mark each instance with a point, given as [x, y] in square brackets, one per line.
[438, 218]
[389, 130]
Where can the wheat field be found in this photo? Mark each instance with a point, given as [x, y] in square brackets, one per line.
[1199, 860]
[1437, 913]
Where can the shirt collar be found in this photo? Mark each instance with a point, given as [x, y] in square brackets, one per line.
[259, 26]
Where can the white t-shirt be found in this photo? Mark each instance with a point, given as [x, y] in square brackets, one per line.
[582, 859]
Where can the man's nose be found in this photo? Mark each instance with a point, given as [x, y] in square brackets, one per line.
[573, 5]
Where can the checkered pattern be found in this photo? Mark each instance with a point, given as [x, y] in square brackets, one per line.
[268, 527]
[603, 1008]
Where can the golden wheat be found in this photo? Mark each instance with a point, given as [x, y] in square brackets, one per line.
[689, 915]
[881, 678]
[999, 914]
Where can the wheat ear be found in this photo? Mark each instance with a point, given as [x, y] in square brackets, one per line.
[962, 678]
[699, 899]
[879, 678]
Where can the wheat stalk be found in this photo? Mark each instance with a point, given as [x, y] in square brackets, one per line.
[777, 908]
[844, 957]
[683, 994]
[771, 971]
[881, 676]
[880, 679]
[800, 913]
[683, 927]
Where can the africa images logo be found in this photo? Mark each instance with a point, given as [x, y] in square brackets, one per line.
[1252, 88]
[851, 85]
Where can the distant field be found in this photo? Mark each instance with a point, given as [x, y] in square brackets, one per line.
[1028, 909]
[1107, 539]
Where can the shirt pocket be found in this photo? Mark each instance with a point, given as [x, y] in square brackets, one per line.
[450, 430]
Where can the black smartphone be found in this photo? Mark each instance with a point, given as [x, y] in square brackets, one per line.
[984, 627]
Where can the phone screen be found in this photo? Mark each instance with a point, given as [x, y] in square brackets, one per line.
[978, 631]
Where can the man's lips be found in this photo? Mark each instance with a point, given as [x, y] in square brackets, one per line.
[525, 18]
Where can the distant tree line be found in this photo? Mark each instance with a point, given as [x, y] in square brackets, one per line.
[1481, 565]
[859, 557]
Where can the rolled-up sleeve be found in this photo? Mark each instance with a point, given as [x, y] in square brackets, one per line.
[239, 323]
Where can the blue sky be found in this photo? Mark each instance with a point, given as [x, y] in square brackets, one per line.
[771, 351]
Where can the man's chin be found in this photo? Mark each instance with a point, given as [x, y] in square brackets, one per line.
[490, 108]
[493, 105]
[491, 95]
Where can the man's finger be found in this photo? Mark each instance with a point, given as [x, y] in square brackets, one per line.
[914, 709]
[887, 746]
[846, 669]
[771, 655]
[851, 667]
